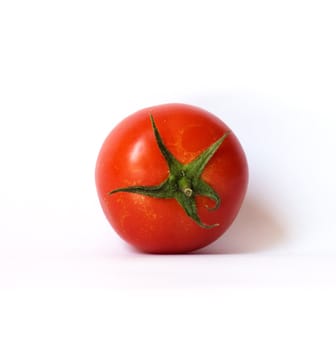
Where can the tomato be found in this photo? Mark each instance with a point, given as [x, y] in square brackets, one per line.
[171, 178]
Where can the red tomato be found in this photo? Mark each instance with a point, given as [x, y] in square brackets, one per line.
[171, 178]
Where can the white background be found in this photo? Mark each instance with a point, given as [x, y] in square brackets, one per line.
[69, 71]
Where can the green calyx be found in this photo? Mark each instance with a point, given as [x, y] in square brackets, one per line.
[184, 181]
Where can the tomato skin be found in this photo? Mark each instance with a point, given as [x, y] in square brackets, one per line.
[130, 156]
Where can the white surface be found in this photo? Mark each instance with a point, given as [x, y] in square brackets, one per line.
[69, 71]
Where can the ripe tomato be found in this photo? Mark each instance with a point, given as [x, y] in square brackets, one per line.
[171, 178]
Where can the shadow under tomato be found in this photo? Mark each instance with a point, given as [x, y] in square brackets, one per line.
[255, 229]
